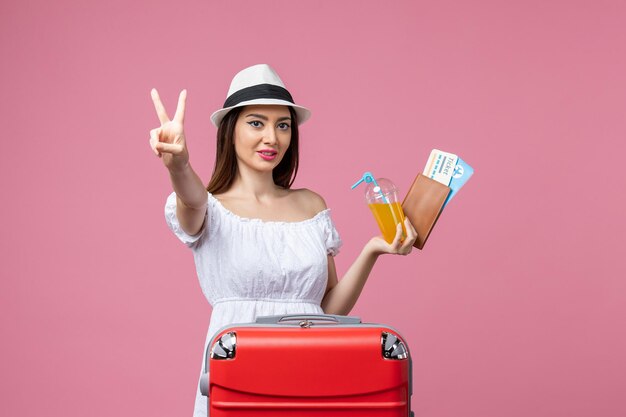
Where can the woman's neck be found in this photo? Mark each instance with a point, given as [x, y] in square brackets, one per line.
[254, 184]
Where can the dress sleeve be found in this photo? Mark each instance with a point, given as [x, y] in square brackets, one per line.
[333, 241]
[174, 225]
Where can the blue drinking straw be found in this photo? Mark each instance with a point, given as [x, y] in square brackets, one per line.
[369, 178]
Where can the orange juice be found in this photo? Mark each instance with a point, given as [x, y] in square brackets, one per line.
[388, 215]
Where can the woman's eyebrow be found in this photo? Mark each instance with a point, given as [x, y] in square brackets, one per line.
[260, 116]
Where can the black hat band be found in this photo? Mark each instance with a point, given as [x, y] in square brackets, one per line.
[258, 91]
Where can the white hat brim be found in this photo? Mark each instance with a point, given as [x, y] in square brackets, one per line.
[302, 112]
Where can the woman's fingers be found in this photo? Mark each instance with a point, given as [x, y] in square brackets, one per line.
[397, 246]
[154, 139]
[410, 230]
[158, 105]
[173, 148]
[407, 245]
[411, 236]
[180, 109]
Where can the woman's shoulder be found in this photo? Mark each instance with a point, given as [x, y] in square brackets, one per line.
[308, 199]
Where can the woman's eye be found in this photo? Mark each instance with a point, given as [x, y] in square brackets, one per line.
[283, 126]
[255, 123]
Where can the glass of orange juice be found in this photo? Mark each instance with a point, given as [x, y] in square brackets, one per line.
[381, 196]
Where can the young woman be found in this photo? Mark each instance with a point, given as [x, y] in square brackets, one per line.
[260, 247]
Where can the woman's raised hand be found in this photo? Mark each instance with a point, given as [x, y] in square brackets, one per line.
[168, 140]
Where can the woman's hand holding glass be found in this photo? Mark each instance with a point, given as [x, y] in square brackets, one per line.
[168, 140]
[379, 246]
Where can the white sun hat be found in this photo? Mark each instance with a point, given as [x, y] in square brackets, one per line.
[258, 84]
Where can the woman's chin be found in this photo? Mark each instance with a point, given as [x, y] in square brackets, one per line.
[262, 168]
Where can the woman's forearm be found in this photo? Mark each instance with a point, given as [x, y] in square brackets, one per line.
[343, 296]
[188, 187]
[191, 199]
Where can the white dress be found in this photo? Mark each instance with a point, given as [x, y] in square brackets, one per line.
[250, 267]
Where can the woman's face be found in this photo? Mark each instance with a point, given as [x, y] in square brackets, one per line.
[262, 136]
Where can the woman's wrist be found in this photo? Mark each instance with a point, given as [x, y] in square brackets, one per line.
[372, 249]
[180, 170]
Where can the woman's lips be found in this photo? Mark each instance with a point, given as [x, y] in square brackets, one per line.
[267, 155]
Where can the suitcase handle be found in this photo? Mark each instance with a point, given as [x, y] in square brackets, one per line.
[321, 318]
[204, 384]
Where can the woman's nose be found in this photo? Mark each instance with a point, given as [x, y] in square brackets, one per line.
[270, 136]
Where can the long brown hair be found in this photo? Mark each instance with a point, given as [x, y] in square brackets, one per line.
[225, 169]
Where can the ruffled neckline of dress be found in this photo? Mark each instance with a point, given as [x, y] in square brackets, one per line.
[250, 220]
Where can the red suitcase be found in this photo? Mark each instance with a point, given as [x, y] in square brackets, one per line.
[307, 365]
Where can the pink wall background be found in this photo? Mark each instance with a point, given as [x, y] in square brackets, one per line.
[517, 305]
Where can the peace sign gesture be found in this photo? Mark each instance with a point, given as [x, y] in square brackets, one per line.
[168, 140]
